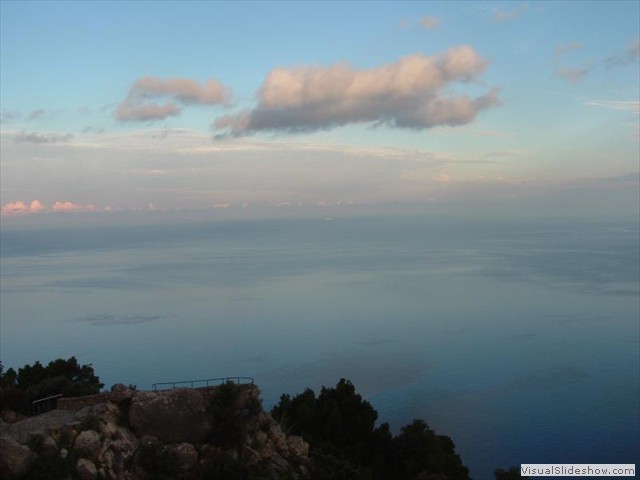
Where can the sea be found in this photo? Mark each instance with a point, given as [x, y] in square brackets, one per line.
[517, 337]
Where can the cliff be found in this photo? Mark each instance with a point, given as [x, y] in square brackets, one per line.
[125, 434]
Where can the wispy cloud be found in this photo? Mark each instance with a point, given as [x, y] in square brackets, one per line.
[109, 319]
[624, 105]
[563, 48]
[8, 116]
[36, 114]
[572, 75]
[504, 154]
[40, 138]
[630, 55]
[509, 15]
[404, 94]
[136, 106]
[429, 22]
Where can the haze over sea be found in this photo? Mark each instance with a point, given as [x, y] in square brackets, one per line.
[518, 338]
[439, 201]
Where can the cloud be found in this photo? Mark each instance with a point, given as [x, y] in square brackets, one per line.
[184, 90]
[631, 55]
[561, 49]
[130, 110]
[623, 105]
[36, 114]
[430, 22]
[20, 208]
[108, 320]
[137, 106]
[38, 138]
[70, 207]
[93, 129]
[404, 94]
[8, 116]
[504, 154]
[572, 75]
[509, 15]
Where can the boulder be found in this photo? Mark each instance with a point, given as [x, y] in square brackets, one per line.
[86, 469]
[298, 447]
[186, 456]
[48, 446]
[121, 394]
[10, 416]
[88, 444]
[15, 459]
[172, 416]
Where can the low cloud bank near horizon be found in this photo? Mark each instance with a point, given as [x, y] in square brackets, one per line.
[406, 94]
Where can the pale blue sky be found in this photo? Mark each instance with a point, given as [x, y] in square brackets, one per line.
[552, 102]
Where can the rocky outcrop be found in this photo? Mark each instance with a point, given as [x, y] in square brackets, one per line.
[173, 416]
[182, 434]
[15, 459]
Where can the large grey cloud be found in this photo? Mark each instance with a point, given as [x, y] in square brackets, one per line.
[406, 94]
[138, 107]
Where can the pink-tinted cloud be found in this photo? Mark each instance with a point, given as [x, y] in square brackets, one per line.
[404, 94]
[184, 90]
[572, 75]
[138, 107]
[430, 22]
[70, 207]
[130, 110]
[15, 208]
[21, 208]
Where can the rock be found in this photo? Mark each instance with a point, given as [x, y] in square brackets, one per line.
[117, 453]
[86, 469]
[186, 456]
[172, 416]
[10, 416]
[279, 441]
[48, 446]
[64, 453]
[88, 443]
[121, 394]
[298, 447]
[15, 459]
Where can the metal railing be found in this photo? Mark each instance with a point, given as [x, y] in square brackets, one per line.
[209, 382]
[44, 405]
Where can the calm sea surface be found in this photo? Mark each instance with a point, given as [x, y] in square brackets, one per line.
[519, 339]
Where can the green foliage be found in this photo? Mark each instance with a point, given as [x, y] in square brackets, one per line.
[230, 467]
[36, 381]
[340, 428]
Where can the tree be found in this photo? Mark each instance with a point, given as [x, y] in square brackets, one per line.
[512, 474]
[32, 382]
[344, 442]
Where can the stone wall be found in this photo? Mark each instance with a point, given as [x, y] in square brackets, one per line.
[76, 403]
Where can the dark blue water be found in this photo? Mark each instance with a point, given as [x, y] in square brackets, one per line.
[519, 339]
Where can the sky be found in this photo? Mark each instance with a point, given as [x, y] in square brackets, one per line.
[221, 106]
